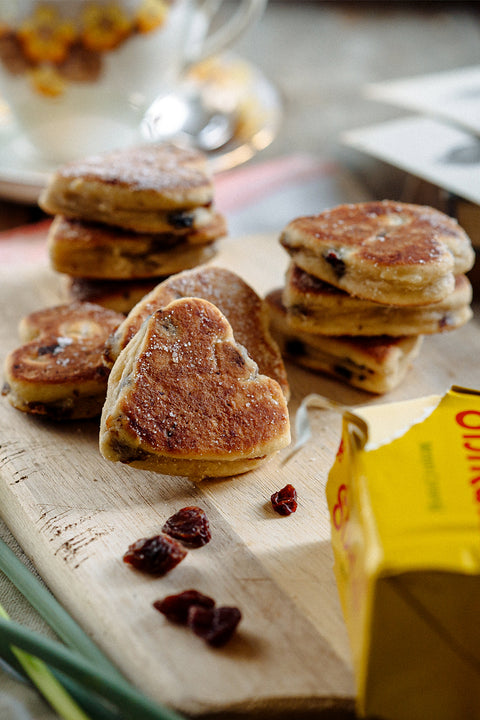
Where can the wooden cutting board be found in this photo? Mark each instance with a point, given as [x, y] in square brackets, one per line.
[75, 514]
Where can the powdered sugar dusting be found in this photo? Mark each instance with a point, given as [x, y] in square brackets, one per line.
[148, 167]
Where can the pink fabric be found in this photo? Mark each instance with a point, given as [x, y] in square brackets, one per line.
[26, 245]
[246, 185]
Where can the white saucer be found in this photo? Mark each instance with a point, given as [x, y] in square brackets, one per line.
[257, 111]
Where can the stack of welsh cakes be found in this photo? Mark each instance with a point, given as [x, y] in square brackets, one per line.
[365, 282]
[126, 219]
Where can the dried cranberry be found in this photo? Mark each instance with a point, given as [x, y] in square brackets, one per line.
[215, 625]
[176, 607]
[284, 502]
[181, 219]
[189, 525]
[156, 555]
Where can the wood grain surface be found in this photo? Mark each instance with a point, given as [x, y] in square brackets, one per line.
[75, 514]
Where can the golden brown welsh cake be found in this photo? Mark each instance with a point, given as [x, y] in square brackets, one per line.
[150, 188]
[118, 295]
[93, 250]
[386, 252]
[376, 364]
[184, 398]
[244, 309]
[314, 306]
[59, 372]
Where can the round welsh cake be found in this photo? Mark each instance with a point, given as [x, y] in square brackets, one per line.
[388, 252]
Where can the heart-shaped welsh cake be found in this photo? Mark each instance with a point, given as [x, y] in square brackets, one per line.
[59, 371]
[184, 398]
[246, 312]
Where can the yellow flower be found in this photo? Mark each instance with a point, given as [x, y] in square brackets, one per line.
[105, 27]
[47, 81]
[151, 14]
[44, 37]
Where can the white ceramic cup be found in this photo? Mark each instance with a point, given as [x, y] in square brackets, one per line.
[79, 75]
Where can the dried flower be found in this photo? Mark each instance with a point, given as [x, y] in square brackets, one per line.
[104, 27]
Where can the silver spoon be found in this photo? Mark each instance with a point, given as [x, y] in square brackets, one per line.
[189, 117]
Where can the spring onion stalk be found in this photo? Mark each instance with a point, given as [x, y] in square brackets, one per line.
[95, 708]
[133, 704]
[10, 663]
[52, 612]
[51, 689]
[72, 634]
[91, 704]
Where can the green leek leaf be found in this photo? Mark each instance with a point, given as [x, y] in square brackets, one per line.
[52, 612]
[51, 689]
[133, 704]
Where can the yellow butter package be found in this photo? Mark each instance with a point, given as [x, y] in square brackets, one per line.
[404, 501]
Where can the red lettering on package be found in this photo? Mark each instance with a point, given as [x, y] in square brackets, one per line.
[470, 420]
[340, 509]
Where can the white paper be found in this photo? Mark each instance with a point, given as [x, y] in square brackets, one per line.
[452, 95]
[434, 151]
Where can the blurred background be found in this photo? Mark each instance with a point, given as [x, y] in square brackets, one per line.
[320, 55]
